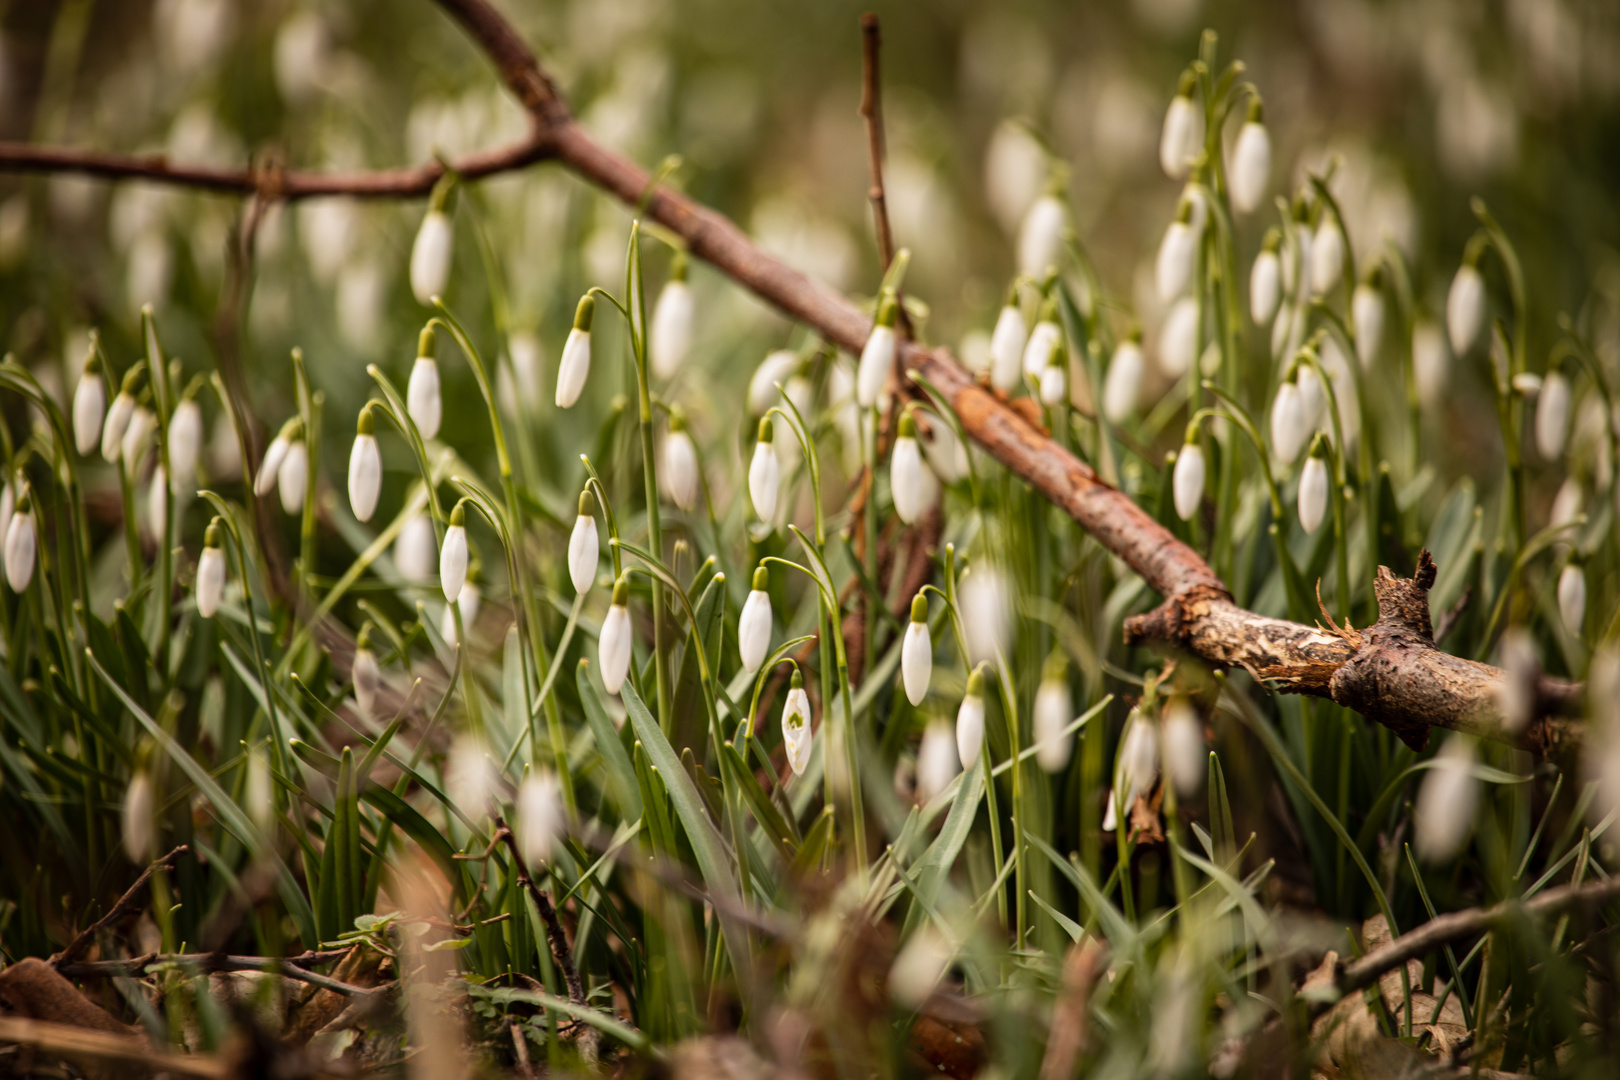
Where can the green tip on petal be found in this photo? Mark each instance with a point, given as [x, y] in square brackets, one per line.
[1048, 309]
[587, 503]
[132, 379]
[767, 430]
[292, 429]
[211, 536]
[367, 424]
[621, 591]
[585, 313]
[1273, 239]
[364, 640]
[1189, 80]
[975, 684]
[1319, 446]
[1056, 666]
[762, 577]
[425, 342]
[458, 515]
[919, 607]
[797, 682]
[25, 502]
[888, 311]
[677, 267]
[1257, 110]
[677, 420]
[908, 425]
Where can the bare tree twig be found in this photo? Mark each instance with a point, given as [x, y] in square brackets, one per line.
[219, 962]
[127, 905]
[872, 113]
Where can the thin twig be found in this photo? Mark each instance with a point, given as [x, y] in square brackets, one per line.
[127, 905]
[872, 113]
[294, 968]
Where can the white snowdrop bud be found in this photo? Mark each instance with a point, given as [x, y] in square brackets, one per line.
[1052, 713]
[970, 721]
[1265, 284]
[1527, 384]
[936, 759]
[906, 472]
[1288, 427]
[210, 573]
[1566, 506]
[1552, 415]
[575, 364]
[1173, 270]
[1516, 693]
[1187, 480]
[20, 544]
[293, 476]
[986, 613]
[453, 555]
[1137, 763]
[185, 444]
[1178, 338]
[466, 605]
[365, 673]
[417, 550]
[777, 367]
[157, 504]
[138, 437]
[1313, 490]
[1122, 386]
[1042, 340]
[470, 778]
[1444, 813]
[1007, 342]
[584, 549]
[917, 652]
[919, 967]
[1313, 399]
[1367, 316]
[1040, 237]
[1185, 756]
[1327, 256]
[796, 731]
[1431, 360]
[764, 473]
[1055, 379]
[258, 793]
[1465, 308]
[140, 819]
[540, 816]
[365, 468]
[1178, 142]
[613, 644]
[275, 454]
[678, 471]
[89, 405]
[947, 455]
[669, 338]
[430, 256]
[1572, 597]
[1250, 170]
[754, 624]
[422, 397]
[877, 358]
[118, 416]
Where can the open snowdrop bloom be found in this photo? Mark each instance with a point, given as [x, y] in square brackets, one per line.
[1367, 317]
[584, 549]
[1052, 713]
[986, 613]
[1327, 256]
[20, 544]
[1040, 237]
[936, 759]
[917, 652]
[138, 437]
[777, 367]
[365, 468]
[906, 482]
[453, 555]
[1186, 758]
[185, 444]
[1313, 489]
[1265, 282]
[1465, 308]
[1187, 480]
[1289, 429]
[1178, 338]
[470, 777]
[764, 473]
[1572, 597]
[416, 552]
[678, 471]
[365, 673]
[575, 364]
[466, 606]
[1444, 813]
[210, 573]
[540, 816]
[274, 455]
[1055, 379]
[1007, 342]
[1042, 340]
[970, 720]
[89, 404]
[613, 644]
[118, 416]
[139, 825]
[430, 255]
[292, 477]
[796, 732]
[1122, 385]
[1183, 130]
[1136, 765]
[877, 357]
[754, 624]
[669, 338]
[1250, 170]
[1552, 415]
[1173, 270]
[423, 399]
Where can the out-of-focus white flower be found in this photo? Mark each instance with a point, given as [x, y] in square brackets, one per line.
[678, 472]
[185, 444]
[430, 256]
[540, 816]
[584, 549]
[1173, 270]
[936, 759]
[453, 555]
[1313, 492]
[224, 450]
[1313, 399]
[1187, 480]
[1178, 338]
[877, 358]
[258, 793]
[917, 652]
[365, 673]
[423, 399]
[524, 350]
[1040, 237]
[946, 453]
[754, 624]
[796, 731]
[1327, 256]
[1185, 756]
[1015, 168]
[274, 455]
[293, 476]
[920, 965]
[986, 614]
[1444, 813]
[775, 368]
[1288, 427]
[20, 544]
[89, 405]
[1136, 764]
[157, 504]
[140, 819]
[1367, 316]
[1465, 308]
[764, 473]
[576, 355]
[365, 468]
[1054, 384]
[970, 721]
[1183, 131]
[1265, 283]
[210, 573]
[1552, 415]
[118, 418]
[300, 56]
[613, 644]
[470, 777]
[1052, 713]
[1431, 360]
[1122, 386]
[1007, 343]
[1042, 341]
[416, 552]
[669, 338]
[1516, 694]
[1566, 506]
[327, 228]
[466, 606]
[906, 472]
[1572, 597]
[1250, 170]
[138, 437]
[1527, 384]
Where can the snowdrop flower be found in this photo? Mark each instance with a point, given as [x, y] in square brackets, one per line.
[1178, 338]
[917, 652]
[185, 444]
[1430, 361]
[1552, 415]
[1527, 384]
[970, 721]
[754, 624]
[1516, 694]
[1040, 237]
[1566, 506]
[453, 555]
[470, 777]
[947, 455]
[1289, 428]
[139, 822]
[1122, 385]
[1178, 142]
[1250, 170]
[1367, 316]
[1042, 340]
[1313, 489]
[764, 473]
[613, 644]
[1572, 597]
[466, 606]
[1465, 308]
[1054, 384]
[584, 549]
[777, 367]
[1136, 764]
[1444, 813]
[1327, 256]
[1177, 251]
[258, 793]
[1187, 480]
[422, 398]
[417, 549]
[540, 816]
[669, 338]
[575, 364]
[210, 573]
[1052, 713]
[936, 759]
[138, 436]
[1007, 345]
[679, 468]
[906, 472]
[1265, 281]
[1185, 756]
[20, 544]
[157, 504]
[293, 476]
[274, 455]
[877, 358]
[118, 416]
[796, 733]
[364, 672]
[986, 613]
[430, 255]
[365, 468]
[919, 967]
[89, 404]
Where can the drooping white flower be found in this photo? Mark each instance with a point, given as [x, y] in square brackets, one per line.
[669, 337]
[917, 652]
[1183, 131]
[210, 573]
[1516, 693]
[89, 404]
[584, 548]
[1136, 764]
[754, 624]
[1313, 399]
[877, 357]
[575, 364]
[764, 473]
[140, 820]
[466, 606]
[416, 552]
[430, 256]
[906, 472]
[453, 555]
[258, 793]
[678, 471]
[970, 721]
[1043, 339]
[1430, 361]
[1250, 170]
[1367, 316]
[1444, 813]
[1054, 384]
[1122, 385]
[185, 444]
[1265, 285]
[777, 367]
[1327, 256]
[1566, 505]
[796, 731]
[1185, 756]
[936, 759]
[365, 468]
[1040, 237]
[1572, 597]
[423, 399]
[1052, 712]
[1313, 492]
[365, 674]
[1178, 338]
[919, 966]
[293, 476]
[1552, 415]
[1173, 270]
[1527, 384]
[1187, 480]
[157, 504]
[1465, 308]
[613, 644]
[470, 777]
[1288, 427]
[1015, 167]
[274, 455]
[118, 416]
[1007, 342]
[138, 437]
[540, 816]
[946, 454]
[20, 544]
[986, 613]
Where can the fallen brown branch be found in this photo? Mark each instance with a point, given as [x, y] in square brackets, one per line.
[127, 905]
[218, 962]
[80, 1044]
